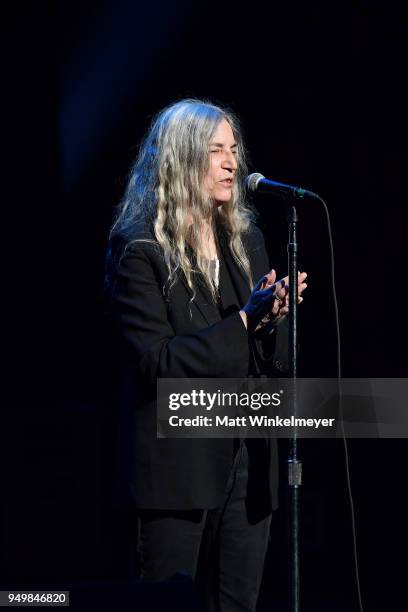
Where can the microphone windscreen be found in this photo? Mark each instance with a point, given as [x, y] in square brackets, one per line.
[252, 180]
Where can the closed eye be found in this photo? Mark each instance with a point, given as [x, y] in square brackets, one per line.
[234, 152]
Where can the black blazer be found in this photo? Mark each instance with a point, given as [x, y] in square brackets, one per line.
[162, 333]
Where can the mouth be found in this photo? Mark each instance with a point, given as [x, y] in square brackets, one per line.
[227, 182]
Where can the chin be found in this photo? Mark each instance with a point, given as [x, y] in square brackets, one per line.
[222, 199]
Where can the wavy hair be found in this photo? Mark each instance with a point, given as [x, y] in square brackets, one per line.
[165, 189]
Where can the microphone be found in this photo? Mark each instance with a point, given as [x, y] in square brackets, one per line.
[256, 182]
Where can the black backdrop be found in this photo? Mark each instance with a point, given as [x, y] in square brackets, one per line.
[319, 89]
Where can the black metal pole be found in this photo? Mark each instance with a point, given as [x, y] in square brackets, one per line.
[294, 465]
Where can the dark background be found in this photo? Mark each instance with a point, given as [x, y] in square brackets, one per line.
[319, 89]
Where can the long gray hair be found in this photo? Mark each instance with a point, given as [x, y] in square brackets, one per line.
[166, 189]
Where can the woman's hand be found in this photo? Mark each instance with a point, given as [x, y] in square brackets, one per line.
[281, 304]
[269, 300]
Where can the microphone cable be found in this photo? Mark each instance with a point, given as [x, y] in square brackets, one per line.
[346, 452]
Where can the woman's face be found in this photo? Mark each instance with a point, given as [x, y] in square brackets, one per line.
[222, 164]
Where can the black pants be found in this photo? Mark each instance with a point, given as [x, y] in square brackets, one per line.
[221, 549]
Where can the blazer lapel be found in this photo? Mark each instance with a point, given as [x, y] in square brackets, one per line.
[238, 278]
[204, 302]
[202, 299]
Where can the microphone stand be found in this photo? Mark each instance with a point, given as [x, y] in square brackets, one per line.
[294, 465]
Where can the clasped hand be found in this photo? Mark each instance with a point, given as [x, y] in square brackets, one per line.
[269, 300]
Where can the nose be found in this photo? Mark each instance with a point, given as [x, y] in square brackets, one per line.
[229, 161]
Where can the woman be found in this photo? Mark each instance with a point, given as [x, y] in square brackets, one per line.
[184, 254]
